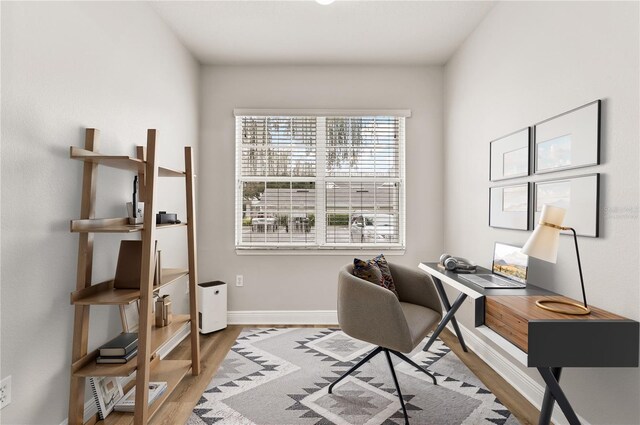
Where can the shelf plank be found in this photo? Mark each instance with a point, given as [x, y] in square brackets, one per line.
[103, 225]
[167, 226]
[169, 371]
[88, 367]
[169, 276]
[112, 225]
[122, 162]
[168, 172]
[105, 294]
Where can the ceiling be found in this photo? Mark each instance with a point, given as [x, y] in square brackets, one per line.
[302, 32]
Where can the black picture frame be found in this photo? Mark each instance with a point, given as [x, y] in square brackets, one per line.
[579, 195]
[509, 206]
[518, 146]
[569, 140]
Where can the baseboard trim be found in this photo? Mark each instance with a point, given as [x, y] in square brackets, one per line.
[283, 317]
[520, 381]
[90, 410]
[176, 339]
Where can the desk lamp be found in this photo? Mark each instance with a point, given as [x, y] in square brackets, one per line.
[543, 244]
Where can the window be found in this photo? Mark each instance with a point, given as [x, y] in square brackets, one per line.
[310, 179]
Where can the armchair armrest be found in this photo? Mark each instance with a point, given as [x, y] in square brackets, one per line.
[371, 313]
[415, 287]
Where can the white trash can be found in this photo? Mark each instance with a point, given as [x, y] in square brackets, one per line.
[212, 306]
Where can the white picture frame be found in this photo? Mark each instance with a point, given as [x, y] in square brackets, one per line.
[509, 206]
[509, 156]
[130, 316]
[578, 195]
[107, 391]
[569, 140]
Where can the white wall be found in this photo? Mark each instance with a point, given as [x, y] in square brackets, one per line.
[67, 66]
[308, 282]
[527, 62]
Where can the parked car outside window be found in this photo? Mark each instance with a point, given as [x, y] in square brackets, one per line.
[367, 228]
[260, 221]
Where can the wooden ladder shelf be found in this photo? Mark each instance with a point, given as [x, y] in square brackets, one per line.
[147, 364]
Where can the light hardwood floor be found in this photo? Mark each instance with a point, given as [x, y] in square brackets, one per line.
[214, 347]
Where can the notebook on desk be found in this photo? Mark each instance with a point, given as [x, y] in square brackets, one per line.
[508, 269]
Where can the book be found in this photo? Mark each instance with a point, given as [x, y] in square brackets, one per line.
[128, 402]
[116, 359]
[106, 392]
[121, 345]
[129, 265]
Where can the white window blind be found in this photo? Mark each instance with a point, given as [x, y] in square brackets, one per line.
[320, 181]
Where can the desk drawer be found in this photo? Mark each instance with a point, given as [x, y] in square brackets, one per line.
[507, 323]
[599, 339]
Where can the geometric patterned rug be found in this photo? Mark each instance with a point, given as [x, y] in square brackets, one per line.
[280, 377]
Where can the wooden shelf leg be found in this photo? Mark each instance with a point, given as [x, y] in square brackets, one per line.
[141, 415]
[83, 280]
[193, 261]
[141, 153]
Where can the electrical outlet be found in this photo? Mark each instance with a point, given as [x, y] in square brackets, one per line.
[239, 280]
[5, 392]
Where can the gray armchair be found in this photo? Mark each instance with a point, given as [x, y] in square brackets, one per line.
[371, 313]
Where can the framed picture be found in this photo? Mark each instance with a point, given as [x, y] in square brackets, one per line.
[509, 206]
[578, 195]
[130, 316]
[107, 390]
[509, 156]
[569, 140]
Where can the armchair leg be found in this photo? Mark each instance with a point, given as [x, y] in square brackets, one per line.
[393, 373]
[353, 369]
[395, 381]
[414, 364]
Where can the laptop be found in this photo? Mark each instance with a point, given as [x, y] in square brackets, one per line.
[508, 270]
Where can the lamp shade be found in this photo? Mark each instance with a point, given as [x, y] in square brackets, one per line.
[543, 242]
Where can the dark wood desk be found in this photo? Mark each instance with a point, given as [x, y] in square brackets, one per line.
[539, 338]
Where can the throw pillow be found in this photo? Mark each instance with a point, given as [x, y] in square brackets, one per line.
[386, 274]
[371, 271]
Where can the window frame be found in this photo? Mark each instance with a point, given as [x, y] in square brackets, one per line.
[320, 181]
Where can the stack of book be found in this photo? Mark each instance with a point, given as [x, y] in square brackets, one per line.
[128, 402]
[120, 349]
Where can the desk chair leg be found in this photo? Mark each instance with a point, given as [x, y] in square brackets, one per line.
[412, 363]
[553, 387]
[449, 316]
[353, 369]
[395, 381]
[445, 302]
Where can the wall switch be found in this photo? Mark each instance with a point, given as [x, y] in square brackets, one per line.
[239, 280]
[5, 392]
